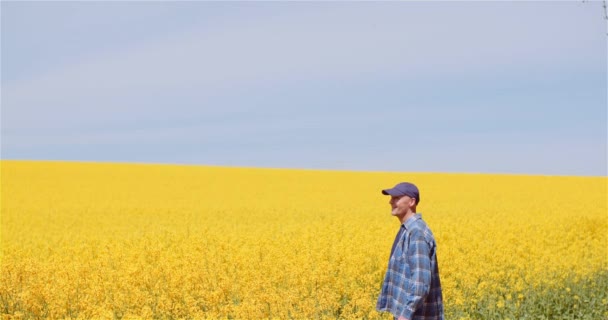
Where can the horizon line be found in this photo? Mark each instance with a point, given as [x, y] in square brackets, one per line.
[295, 168]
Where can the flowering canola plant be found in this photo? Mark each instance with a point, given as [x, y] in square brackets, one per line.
[111, 240]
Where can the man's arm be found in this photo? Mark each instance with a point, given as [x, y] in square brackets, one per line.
[419, 261]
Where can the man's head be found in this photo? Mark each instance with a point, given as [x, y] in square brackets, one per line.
[404, 198]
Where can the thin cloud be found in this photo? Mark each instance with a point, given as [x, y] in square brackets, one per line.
[341, 43]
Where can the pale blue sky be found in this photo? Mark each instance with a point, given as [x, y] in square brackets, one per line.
[490, 87]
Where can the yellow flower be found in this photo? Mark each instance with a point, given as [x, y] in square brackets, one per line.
[500, 304]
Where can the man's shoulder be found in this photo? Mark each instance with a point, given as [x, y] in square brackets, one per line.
[419, 223]
[420, 226]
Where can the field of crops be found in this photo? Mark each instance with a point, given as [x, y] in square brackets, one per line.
[84, 240]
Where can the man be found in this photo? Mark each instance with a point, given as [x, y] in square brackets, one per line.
[411, 289]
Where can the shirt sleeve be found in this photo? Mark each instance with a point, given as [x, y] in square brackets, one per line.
[419, 261]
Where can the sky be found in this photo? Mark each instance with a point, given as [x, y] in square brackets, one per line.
[464, 87]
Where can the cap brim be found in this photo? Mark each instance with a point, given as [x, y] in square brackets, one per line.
[391, 192]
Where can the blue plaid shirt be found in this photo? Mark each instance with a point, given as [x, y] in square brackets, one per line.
[411, 286]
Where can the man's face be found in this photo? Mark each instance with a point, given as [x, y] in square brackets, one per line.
[401, 204]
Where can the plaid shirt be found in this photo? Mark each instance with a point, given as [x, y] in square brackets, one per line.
[411, 287]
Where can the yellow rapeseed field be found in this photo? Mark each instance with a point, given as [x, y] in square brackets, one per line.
[98, 240]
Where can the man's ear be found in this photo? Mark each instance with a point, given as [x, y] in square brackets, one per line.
[413, 202]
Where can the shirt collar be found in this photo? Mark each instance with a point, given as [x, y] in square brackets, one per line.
[407, 224]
